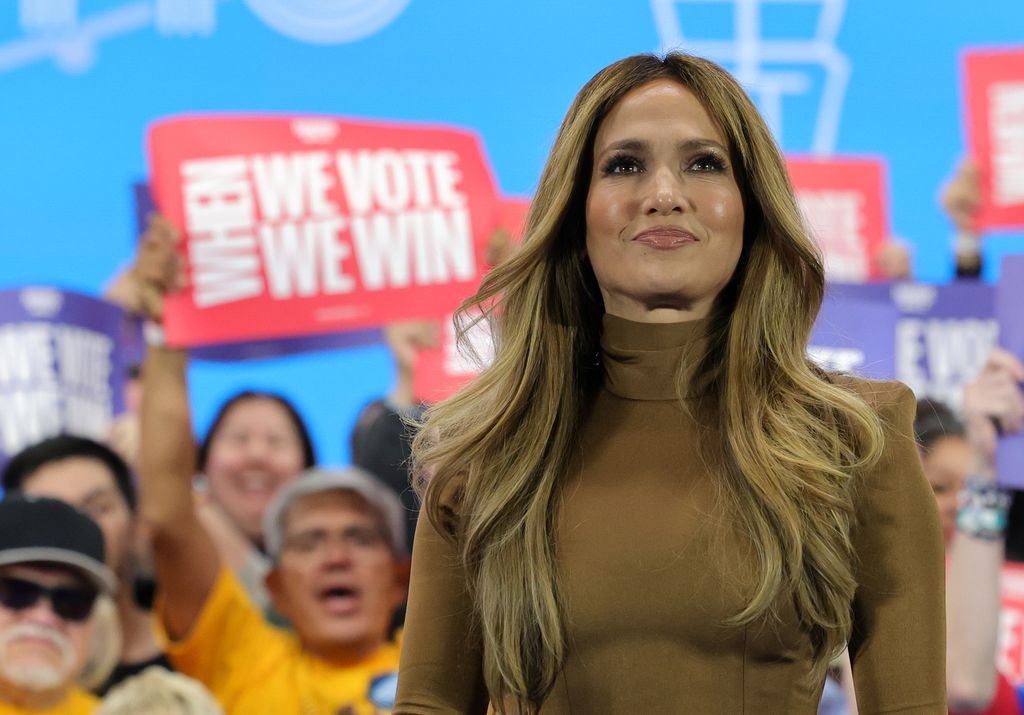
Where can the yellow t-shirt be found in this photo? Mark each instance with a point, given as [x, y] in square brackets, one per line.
[78, 702]
[253, 668]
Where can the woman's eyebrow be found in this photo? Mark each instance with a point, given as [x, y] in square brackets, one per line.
[626, 145]
[639, 145]
[692, 144]
[98, 493]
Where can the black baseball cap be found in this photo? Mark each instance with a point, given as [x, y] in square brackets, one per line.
[50, 531]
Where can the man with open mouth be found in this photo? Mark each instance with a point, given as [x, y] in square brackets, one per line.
[340, 570]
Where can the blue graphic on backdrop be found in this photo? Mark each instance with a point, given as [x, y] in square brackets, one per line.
[55, 29]
[771, 68]
[327, 21]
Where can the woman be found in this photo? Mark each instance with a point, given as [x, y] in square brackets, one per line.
[651, 502]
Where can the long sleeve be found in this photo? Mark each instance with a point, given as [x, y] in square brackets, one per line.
[440, 666]
[898, 644]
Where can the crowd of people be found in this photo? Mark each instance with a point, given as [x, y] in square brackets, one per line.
[651, 502]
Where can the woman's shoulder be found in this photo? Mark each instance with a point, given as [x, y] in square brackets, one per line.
[891, 399]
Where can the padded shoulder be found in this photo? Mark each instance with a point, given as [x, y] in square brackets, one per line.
[891, 399]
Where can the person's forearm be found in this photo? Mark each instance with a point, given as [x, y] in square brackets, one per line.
[167, 451]
[186, 560]
[972, 619]
[402, 396]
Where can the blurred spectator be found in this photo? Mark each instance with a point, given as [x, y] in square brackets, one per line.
[92, 478]
[893, 259]
[159, 692]
[105, 647]
[257, 443]
[959, 461]
[51, 573]
[336, 541]
[340, 571]
[382, 437]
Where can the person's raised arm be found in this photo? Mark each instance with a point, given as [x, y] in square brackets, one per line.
[898, 647]
[186, 559]
[961, 199]
[406, 340]
[992, 402]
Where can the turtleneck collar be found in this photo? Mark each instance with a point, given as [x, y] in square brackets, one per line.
[643, 360]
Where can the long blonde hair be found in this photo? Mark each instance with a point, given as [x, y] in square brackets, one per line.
[497, 451]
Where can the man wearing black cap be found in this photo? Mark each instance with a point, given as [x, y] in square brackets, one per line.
[51, 573]
[93, 478]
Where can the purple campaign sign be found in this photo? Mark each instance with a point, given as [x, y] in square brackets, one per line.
[144, 206]
[60, 366]
[134, 347]
[944, 334]
[855, 336]
[1010, 314]
[259, 349]
[255, 350]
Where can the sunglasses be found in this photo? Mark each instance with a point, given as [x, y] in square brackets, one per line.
[71, 603]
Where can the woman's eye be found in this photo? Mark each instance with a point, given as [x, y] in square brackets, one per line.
[708, 162]
[622, 164]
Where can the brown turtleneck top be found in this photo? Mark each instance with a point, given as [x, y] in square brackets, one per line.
[650, 571]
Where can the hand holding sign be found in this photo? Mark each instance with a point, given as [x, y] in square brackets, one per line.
[993, 405]
[159, 269]
[961, 197]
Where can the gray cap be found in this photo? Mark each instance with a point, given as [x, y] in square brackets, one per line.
[352, 479]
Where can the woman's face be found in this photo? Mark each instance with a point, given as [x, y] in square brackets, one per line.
[664, 211]
[255, 451]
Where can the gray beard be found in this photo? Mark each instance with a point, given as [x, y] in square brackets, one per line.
[36, 677]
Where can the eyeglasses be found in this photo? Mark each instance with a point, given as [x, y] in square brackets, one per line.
[71, 603]
[359, 537]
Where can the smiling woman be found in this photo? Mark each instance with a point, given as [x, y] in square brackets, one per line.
[652, 501]
[664, 212]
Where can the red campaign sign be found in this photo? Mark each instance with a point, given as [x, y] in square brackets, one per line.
[309, 225]
[442, 370]
[844, 204]
[1010, 658]
[994, 93]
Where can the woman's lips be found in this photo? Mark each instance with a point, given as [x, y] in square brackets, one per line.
[664, 237]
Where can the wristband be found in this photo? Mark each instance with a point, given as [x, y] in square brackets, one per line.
[982, 510]
[153, 334]
[966, 242]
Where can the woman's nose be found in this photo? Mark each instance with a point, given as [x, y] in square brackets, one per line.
[257, 450]
[666, 194]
